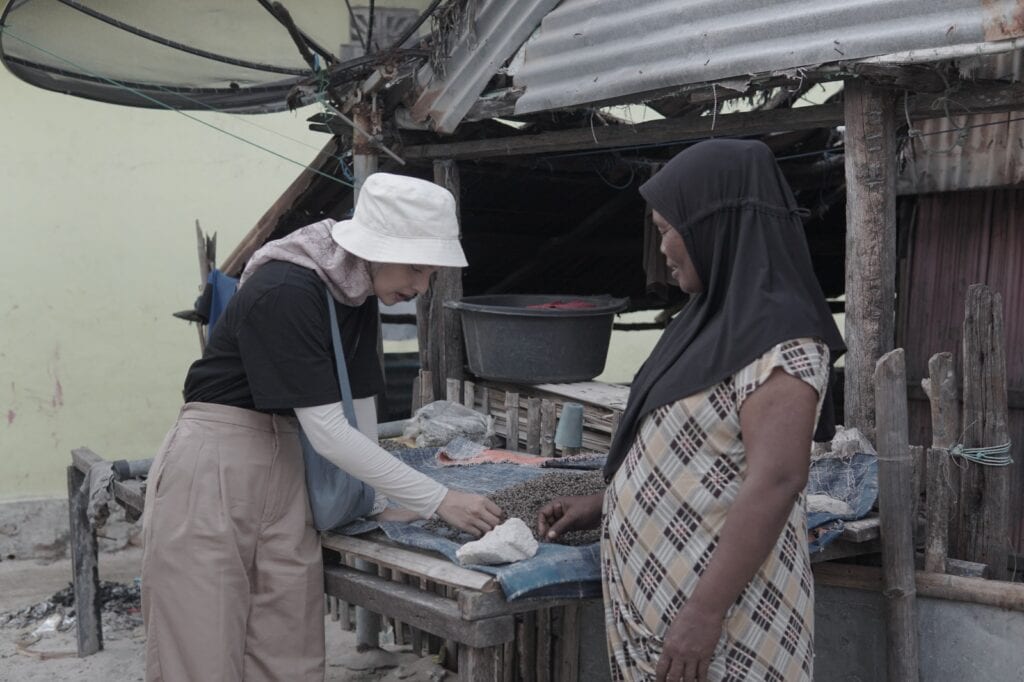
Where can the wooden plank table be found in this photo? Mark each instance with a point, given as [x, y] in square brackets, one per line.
[464, 608]
[489, 637]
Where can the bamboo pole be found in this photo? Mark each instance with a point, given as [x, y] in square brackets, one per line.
[895, 491]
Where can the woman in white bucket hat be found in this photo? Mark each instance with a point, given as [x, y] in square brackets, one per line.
[232, 573]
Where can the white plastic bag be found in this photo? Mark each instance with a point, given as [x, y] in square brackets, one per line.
[440, 422]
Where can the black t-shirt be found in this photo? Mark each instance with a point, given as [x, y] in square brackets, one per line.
[271, 349]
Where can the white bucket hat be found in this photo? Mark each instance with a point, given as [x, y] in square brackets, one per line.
[399, 219]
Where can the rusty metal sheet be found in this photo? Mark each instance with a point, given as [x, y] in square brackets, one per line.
[594, 51]
[962, 238]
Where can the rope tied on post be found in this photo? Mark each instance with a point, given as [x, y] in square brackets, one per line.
[993, 455]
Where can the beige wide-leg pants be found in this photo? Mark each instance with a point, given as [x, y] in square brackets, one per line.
[232, 575]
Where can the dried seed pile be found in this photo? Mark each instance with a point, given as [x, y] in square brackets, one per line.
[524, 500]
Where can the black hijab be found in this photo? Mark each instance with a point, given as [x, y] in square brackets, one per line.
[740, 223]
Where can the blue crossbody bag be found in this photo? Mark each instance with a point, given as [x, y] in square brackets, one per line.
[335, 497]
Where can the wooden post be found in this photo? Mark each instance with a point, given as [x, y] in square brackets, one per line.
[570, 662]
[447, 356]
[547, 428]
[616, 418]
[895, 490]
[870, 142]
[84, 567]
[478, 664]
[415, 402]
[364, 164]
[399, 577]
[918, 483]
[533, 426]
[453, 390]
[941, 390]
[983, 531]
[543, 645]
[526, 636]
[508, 661]
[423, 329]
[469, 394]
[485, 401]
[512, 421]
[426, 387]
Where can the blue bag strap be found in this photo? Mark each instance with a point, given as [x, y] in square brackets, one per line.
[339, 357]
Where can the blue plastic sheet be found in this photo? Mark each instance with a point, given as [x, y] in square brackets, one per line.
[555, 571]
[562, 571]
[854, 480]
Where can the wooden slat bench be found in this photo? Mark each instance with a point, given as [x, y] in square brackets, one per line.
[462, 612]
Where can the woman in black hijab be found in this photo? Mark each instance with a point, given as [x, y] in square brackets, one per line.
[704, 555]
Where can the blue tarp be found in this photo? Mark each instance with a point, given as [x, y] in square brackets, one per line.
[563, 571]
[854, 480]
[556, 570]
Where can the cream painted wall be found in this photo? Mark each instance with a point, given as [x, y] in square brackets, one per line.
[97, 212]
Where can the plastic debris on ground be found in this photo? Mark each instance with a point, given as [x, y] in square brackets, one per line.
[120, 609]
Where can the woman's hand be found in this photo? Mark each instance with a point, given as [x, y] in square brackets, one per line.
[689, 645]
[563, 514]
[474, 514]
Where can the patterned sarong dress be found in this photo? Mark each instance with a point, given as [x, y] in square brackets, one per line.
[663, 513]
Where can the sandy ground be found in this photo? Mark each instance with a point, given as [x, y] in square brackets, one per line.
[24, 583]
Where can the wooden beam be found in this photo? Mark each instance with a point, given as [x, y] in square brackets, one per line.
[896, 504]
[422, 609]
[982, 532]
[1003, 595]
[610, 137]
[983, 98]
[410, 562]
[476, 605]
[870, 245]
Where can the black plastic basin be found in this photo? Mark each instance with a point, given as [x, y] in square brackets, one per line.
[507, 340]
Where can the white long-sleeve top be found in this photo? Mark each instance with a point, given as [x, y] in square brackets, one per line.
[356, 452]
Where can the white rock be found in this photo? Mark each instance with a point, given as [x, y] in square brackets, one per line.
[510, 542]
[829, 505]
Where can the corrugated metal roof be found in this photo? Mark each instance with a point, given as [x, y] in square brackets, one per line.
[594, 51]
[969, 152]
[500, 28]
